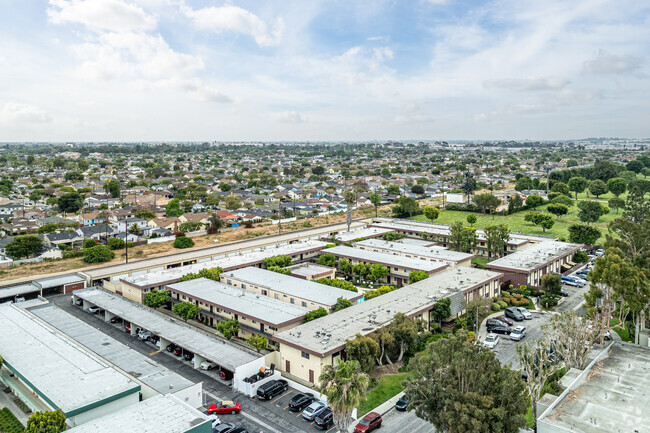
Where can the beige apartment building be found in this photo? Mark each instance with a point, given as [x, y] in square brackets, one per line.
[305, 349]
[432, 254]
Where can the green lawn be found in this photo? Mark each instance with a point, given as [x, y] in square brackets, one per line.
[387, 387]
[480, 262]
[623, 333]
[9, 423]
[529, 417]
[515, 222]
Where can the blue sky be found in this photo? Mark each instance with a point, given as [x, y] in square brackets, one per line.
[113, 70]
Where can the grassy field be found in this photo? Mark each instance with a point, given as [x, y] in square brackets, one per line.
[387, 387]
[516, 223]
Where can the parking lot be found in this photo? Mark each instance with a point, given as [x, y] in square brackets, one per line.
[256, 416]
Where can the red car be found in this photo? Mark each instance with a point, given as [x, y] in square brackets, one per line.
[177, 351]
[127, 328]
[369, 423]
[224, 407]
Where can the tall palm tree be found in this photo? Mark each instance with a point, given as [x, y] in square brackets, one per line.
[345, 386]
[349, 197]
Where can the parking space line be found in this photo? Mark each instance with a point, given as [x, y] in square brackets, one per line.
[243, 413]
[153, 353]
[333, 427]
[288, 392]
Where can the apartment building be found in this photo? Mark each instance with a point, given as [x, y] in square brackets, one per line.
[432, 254]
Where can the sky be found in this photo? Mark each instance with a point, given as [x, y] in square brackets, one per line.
[311, 70]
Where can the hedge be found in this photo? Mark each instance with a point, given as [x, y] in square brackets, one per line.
[9, 423]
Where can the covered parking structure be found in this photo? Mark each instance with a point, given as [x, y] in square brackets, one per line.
[14, 293]
[60, 284]
[205, 347]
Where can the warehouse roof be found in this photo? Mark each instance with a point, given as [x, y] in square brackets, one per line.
[535, 256]
[292, 286]
[367, 232]
[434, 253]
[283, 239]
[140, 366]
[610, 395]
[328, 334]
[67, 375]
[159, 414]
[233, 261]
[206, 345]
[387, 259]
[268, 310]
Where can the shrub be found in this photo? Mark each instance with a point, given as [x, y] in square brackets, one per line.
[496, 307]
[9, 423]
[73, 253]
[503, 304]
[183, 242]
[115, 243]
[89, 243]
[98, 254]
[505, 293]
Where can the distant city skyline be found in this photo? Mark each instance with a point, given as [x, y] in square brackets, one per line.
[182, 70]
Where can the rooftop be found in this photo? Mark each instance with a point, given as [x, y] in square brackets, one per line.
[142, 367]
[283, 239]
[309, 270]
[66, 374]
[233, 261]
[292, 286]
[611, 395]
[208, 346]
[328, 334]
[268, 310]
[418, 242]
[21, 289]
[59, 280]
[159, 414]
[367, 232]
[434, 253]
[387, 259]
[535, 256]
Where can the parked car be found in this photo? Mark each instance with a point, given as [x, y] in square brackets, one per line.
[368, 423]
[170, 347]
[505, 320]
[178, 350]
[501, 329]
[493, 322]
[324, 420]
[225, 374]
[572, 281]
[207, 365]
[402, 403]
[144, 335]
[563, 292]
[300, 401]
[215, 421]
[188, 356]
[524, 312]
[79, 302]
[491, 341]
[127, 328]
[226, 406]
[227, 427]
[514, 314]
[518, 333]
[114, 319]
[20, 299]
[272, 388]
[313, 410]
[155, 339]
[94, 310]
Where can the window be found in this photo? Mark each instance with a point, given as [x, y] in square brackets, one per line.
[243, 286]
[293, 301]
[304, 304]
[264, 292]
[243, 318]
[304, 355]
[229, 282]
[277, 296]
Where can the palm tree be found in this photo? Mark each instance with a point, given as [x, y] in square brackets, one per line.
[349, 197]
[345, 386]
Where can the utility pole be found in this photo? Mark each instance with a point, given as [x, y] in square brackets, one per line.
[279, 216]
[126, 237]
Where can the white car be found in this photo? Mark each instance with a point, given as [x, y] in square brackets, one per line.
[94, 310]
[524, 312]
[215, 420]
[491, 341]
[144, 335]
[207, 365]
[518, 333]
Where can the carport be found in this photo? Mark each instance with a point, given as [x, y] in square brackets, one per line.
[204, 346]
[61, 284]
[9, 294]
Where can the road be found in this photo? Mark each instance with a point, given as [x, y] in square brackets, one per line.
[256, 416]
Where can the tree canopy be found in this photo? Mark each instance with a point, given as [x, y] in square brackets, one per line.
[186, 310]
[24, 246]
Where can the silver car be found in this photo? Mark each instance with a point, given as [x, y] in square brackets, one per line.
[524, 312]
[518, 333]
[313, 410]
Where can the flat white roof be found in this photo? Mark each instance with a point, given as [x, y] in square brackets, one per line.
[21, 289]
[234, 260]
[309, 269]
[59, 280]
[387, 259]
[366, 232]
[535, 256]
[201, 343]
[159, 414]
[292, 286]
[65, 373]
[268, 310]
[418, 242]
[435, 253]
[311, 233]
[328, 334]
[140, 366]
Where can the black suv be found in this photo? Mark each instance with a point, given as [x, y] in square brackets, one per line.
[272, 388]
[325, 419]
[300, 401]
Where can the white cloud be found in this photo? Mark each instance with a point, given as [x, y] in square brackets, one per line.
[526, 84]
[113, 15]
[607, 63]
[22, 113]
[235, 19]
[289, 117]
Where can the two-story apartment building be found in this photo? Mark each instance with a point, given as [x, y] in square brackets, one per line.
[256, 314]
[433, 254]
